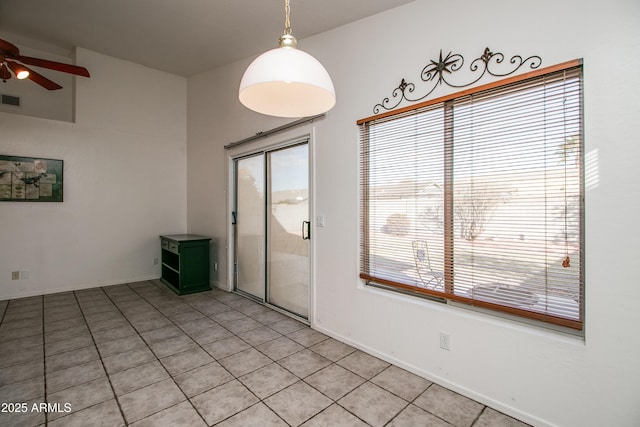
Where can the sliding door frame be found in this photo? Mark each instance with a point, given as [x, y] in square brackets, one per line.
[290, 138]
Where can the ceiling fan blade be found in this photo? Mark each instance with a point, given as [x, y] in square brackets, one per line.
[9, 49]
[53, 65]
[42, 80]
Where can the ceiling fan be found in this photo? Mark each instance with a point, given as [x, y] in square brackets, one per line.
[12, 61]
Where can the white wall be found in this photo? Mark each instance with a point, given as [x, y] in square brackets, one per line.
[215, 118]
[124, 182]
[541, 377]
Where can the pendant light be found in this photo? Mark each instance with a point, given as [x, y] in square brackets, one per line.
[287, 82]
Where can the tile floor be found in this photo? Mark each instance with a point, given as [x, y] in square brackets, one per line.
[140, 355]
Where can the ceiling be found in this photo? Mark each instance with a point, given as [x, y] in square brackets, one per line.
[183, 37]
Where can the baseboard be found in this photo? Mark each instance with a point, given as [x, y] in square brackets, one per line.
[216, 285]
[79, 287]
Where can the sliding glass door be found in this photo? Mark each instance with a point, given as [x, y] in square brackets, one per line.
[289, 229]
[272, 228]
[249, 226]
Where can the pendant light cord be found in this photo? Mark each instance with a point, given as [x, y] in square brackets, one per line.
[287, 20]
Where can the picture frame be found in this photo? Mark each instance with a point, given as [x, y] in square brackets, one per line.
[30, 179]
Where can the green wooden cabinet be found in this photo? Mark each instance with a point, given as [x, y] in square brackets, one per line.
[185, 263]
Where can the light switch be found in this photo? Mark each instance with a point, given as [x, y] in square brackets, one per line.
[320, 221]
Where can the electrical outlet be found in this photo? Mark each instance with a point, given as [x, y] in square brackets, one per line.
[15, 275]
[215, 266]
[445, 341]
[155, 261]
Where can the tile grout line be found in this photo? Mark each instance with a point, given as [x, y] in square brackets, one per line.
[115, 395]
[369, 380]
[300, 380]
[237, 378]
[99, 356]
[158, 359]
[335, 401]
[4, 311]
[409, 402]
[216, 360]
[479, 415]
[148, 293]
[3, 321]
[44, 364]
[158, 306]
[145, 298]
[231, 308]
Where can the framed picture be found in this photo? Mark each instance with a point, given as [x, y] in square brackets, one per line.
[30, 179]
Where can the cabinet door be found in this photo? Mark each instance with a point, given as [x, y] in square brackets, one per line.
[194, 265]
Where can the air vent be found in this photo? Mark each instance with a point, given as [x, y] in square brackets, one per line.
[10, 100]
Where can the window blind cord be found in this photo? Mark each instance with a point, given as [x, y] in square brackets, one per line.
[546, 96]
[566, 263]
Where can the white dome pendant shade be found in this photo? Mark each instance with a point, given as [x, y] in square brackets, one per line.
[287, 82]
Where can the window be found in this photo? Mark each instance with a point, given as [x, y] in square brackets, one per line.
[477, 197]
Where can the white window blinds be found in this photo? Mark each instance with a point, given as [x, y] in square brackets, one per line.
[478, 198]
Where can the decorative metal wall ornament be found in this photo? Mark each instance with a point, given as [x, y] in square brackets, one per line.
[438, 70]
